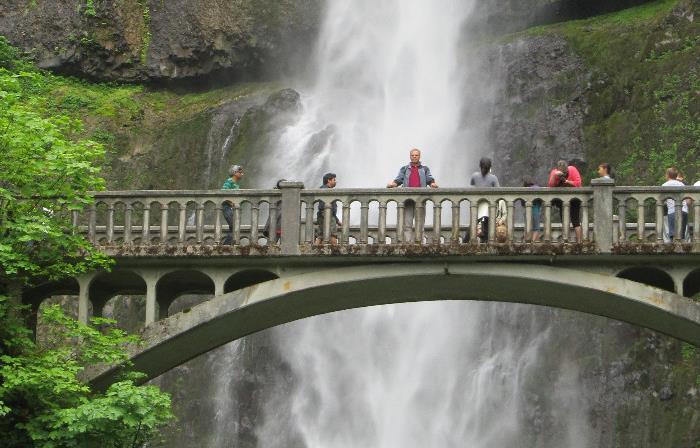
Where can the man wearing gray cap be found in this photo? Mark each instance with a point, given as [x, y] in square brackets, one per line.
[232, 183]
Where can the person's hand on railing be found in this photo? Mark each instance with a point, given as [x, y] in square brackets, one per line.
[433, 185]
[392, 184]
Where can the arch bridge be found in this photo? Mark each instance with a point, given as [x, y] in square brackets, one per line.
[167, 244]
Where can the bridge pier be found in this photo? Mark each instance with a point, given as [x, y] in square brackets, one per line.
[151, 302]
[84, 297]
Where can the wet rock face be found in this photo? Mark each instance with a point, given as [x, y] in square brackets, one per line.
[150, 40]
[539, 111]
[153, 40]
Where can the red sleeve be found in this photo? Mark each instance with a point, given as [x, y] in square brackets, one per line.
[552, 181]
[574, 176]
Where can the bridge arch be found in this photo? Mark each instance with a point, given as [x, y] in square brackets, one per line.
[248, 277]
[649, 276]
[225, 318]
[106, 285]
[177, 283]
[691, 283]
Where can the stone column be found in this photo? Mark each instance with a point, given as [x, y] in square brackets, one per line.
[152, 311]
[84, 297]
[603, 212]
[291, 218]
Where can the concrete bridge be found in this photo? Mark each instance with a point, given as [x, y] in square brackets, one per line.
[166, 244]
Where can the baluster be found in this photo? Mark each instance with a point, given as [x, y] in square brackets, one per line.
[679, 219]
[418, 221]
[218, 211]
[92, 223]
[146, 227]
[437, 222]
[381, 234]
[528, 221]
[640, 220]
[200, 222]
[473, 210]
[509, 221]
[492, 221]
[547, 221]
[327, 223]
[659, 221]
[254, 222]
[584, 220]
[400, 221]
[364, 221]
[236, 223]
[622, 220]
[164, 222]
[273, 223]
[182, 222]
[455, 222]
[565, 219]
[346, 221]
[696, 221]
[127, 223]
[309, 222]
[110, 223]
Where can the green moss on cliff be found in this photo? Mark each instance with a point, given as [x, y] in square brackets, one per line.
[645, 94]
[149, 135]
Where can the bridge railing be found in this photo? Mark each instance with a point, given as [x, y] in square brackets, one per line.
[641, 215]
[287, 220]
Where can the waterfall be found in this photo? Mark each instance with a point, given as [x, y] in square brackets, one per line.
[389, 78]
[393, 75]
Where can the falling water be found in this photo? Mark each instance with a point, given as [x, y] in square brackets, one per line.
[389, 78]
[391, 75]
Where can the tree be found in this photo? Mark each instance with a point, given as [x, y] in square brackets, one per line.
[46, 172]
[44, 401]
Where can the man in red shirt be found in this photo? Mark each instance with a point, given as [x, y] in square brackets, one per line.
[413, 175]
[565, 175]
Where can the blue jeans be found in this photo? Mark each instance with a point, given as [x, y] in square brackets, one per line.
[672, 224]
[536, 211]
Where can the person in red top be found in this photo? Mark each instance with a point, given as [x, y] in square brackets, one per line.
[565, 175]
[413, 175]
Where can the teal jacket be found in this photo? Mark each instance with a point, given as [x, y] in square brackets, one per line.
[230, 185]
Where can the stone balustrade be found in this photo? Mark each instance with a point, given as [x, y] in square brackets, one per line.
[370, 220]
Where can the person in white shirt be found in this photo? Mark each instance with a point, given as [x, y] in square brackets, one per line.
[672, 181]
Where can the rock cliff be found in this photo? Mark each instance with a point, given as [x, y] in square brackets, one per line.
[151, 40]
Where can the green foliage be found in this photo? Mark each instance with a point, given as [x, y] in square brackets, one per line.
[46, 172]
[46, 175]
[43, 401]
[687, 351]
[89, 10]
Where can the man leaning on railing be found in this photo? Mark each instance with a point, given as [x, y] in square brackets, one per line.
[413, 175]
